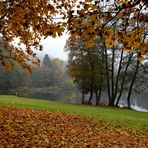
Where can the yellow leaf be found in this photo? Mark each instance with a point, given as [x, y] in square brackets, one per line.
[35, 63]
[136, 44]
[140, 58]
[108, 42]
[89, 44]
[94, 7]
[131, 51]
[109, 32]
[97, 21]
[92, 17]
[54, 35]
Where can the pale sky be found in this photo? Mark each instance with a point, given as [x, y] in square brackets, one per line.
[54, 47]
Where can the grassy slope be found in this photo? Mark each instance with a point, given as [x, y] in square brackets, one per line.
[115, 116]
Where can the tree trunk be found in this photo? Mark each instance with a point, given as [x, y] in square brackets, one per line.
[98, 97]
[119, 70]
[83, 91]
[107, 75]
[122, 83]
[92, 77]
[111, 103]
[112, 78]
[91, 95]
[132, 84]
[82, 97]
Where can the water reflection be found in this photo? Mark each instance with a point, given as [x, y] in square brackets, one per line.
[135, 107]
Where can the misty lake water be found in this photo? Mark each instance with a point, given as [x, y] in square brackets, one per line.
[135, 107]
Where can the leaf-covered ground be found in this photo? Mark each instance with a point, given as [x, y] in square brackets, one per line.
[31, 128]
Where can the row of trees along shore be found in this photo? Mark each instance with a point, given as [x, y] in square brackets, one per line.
[50, 73]
[47, 81]
[112, 40]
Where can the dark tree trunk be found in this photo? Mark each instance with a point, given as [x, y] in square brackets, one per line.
[122, 83]
[112, 97]
[92, 77]
[98, 97]
[112, 77]
[91, 94]
[107, 75]
[132, 84]
[119, 70]
[111, 103]
[83, 94]
[82, 97]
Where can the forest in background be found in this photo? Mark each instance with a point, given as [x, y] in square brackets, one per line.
[51, 81]
[47, 81]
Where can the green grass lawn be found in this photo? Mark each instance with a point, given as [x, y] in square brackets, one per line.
[117, 117]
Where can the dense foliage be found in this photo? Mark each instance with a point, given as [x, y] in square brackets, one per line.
[30, 20]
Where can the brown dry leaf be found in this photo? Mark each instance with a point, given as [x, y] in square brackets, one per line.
[29, 128]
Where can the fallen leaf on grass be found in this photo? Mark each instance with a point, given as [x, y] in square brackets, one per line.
[30, 128]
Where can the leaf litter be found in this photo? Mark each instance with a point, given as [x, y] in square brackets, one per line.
[31, 128]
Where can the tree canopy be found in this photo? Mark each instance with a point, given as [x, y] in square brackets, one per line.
[30, 20]
[121, 29]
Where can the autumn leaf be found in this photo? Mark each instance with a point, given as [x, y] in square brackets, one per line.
[35, 63]
[108, 42]
[89, 44]
[30, 128]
